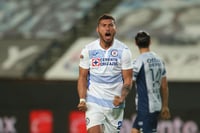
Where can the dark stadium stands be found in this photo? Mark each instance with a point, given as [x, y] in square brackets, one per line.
[171, 22]
[42, 18]
[56, 25]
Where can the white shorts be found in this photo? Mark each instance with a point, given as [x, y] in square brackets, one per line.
[109, 118]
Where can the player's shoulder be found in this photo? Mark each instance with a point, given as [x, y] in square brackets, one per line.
[154, 54]
[143, 57]
[137, 63]
[120, 44]
[92, 44]
[138, 59]
[149, 54]
[157, 56]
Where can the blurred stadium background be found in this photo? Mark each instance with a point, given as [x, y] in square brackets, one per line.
[40, 42]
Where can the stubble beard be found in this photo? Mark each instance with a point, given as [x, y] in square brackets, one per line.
[107, 42]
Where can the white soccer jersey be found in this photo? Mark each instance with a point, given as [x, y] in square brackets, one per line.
[148, 70]
[105, 77]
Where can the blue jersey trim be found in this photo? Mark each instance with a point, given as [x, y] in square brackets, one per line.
[103, 102]
[143, 104]
[106, 79]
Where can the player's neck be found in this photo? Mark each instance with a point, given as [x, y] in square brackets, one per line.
[105, 45]
[144, 50]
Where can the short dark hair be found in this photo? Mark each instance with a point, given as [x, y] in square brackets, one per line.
[105, 16]
[142, 39]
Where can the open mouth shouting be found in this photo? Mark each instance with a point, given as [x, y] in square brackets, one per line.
[108, 36]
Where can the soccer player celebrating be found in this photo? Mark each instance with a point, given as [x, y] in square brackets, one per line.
[105, 79]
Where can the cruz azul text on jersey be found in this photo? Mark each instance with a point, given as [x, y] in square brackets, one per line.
[104, 58]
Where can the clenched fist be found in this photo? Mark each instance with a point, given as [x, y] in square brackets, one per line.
[82, 106]
[117, 100]
[165, 113]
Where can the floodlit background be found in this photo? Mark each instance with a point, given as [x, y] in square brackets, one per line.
[40, 43]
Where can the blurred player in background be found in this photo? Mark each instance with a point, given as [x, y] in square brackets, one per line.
[151, 87]
[105, 79]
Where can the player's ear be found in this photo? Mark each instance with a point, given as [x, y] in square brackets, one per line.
[97, 30]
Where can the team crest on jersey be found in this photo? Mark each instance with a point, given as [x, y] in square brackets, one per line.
[96, 61]
[114, 53]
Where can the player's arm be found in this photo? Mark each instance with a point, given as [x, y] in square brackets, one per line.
[126, 88]
[82, 88]
[165, 113]
[127, 70]
[127, 75]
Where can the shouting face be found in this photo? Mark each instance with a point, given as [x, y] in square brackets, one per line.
[106, 30]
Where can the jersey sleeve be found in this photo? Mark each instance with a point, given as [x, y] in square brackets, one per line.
[84, 59]
[127, 59]
[137, 64]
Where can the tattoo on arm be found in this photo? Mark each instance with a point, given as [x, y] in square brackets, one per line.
[126, 87]
[125, 90]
